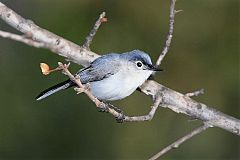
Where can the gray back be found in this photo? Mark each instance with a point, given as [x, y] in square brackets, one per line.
[101, 68]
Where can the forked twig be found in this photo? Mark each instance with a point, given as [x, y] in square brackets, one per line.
[170, 33]
[94, 30]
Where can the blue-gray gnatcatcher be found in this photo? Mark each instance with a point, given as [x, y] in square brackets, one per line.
[112, 76]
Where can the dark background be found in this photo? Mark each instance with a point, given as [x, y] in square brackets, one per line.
[204, 54]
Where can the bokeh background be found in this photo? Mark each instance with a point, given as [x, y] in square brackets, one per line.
[204, 54]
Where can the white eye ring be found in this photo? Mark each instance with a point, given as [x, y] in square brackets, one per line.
[139, 64]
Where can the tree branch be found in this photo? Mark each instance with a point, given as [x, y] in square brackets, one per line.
[92, 33]
[56, 44]
[180, 103]
[22, 39]
[178, 142]
[171, 99]
[147, 117]
[170, 33]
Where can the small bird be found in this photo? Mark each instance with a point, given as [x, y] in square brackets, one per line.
[112, 76]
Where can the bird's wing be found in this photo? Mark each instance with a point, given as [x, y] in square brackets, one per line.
[99, 69]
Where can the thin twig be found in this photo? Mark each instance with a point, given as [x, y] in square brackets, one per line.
[94, 30]
[22, 39]
[177, 143]
[76, 80]
[195, 93]
[147, 117]
[170, 33]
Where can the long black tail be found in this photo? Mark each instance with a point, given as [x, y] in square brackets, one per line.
[60, 86]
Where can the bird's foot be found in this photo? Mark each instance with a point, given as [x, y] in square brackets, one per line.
[103, 107]
[120, 118]
[82, 90]
[79, 90]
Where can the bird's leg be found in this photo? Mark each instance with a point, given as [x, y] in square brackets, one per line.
[103, 107]
[120, 118]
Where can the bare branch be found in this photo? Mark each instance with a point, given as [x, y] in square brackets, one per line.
[180, 103]
[170, 33]
[178, 142]
[171, 99]
[147, 117]
[57, 44]
[195, 93]
[89, 38]
[22, 39]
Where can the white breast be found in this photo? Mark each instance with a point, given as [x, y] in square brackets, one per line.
[119, 85]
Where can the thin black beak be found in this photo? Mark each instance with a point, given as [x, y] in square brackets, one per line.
[153, 68]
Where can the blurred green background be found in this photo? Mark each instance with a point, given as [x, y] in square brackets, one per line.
[204, 54]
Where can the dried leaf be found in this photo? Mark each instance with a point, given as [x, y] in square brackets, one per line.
[103, 19]
[45, 68]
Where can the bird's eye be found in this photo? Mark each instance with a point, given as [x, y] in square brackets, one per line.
[139, 64]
